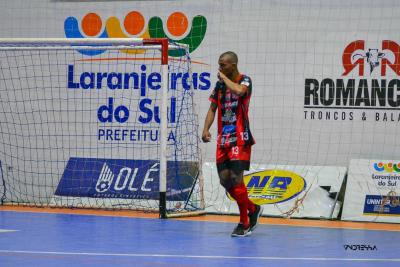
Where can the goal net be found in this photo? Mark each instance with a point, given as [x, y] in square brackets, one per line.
[84, 124]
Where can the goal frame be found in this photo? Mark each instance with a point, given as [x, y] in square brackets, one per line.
[162, 44]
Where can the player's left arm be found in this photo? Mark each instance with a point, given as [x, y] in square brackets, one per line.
[238, 89]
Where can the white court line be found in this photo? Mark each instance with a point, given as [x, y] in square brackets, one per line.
[195, 256]
[7, 230]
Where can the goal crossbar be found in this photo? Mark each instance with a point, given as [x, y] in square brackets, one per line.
[91, 41]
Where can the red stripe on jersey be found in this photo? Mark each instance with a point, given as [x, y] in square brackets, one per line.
[233, 122]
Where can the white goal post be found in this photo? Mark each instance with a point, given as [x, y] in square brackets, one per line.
[82, 129]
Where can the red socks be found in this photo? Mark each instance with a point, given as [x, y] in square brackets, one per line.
[239, 193]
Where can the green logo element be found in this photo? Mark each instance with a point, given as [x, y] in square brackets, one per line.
[192, 39]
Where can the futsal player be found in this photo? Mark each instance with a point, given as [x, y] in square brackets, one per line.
[230, 98]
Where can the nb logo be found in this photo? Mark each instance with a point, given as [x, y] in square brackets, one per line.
[105, 179]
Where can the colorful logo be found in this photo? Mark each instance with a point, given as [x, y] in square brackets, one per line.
[273, 186]
[387, 167]
[134, 25]
[355, 55]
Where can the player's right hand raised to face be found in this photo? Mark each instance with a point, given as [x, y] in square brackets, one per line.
[206, 136]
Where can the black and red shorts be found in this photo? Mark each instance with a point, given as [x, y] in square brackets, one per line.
[234, 158]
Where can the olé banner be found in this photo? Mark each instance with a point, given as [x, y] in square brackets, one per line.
[125, 179]
[372, 191]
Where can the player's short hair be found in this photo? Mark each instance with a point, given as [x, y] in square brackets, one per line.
[231, 55]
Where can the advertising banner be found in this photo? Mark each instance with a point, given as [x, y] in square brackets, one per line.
[372, 191]
[124, 179]
[284, 191]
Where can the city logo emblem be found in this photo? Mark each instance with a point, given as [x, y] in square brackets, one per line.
[387, 167]
[134, 25]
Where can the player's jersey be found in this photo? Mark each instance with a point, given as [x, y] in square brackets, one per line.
[233, 122]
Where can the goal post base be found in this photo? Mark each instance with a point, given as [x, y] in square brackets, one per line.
[163, 206]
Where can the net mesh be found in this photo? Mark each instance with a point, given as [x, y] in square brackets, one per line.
[80, 127]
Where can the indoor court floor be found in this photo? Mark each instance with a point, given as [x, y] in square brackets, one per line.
[66, 237]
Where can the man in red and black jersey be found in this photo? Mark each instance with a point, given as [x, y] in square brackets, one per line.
[231, 97]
